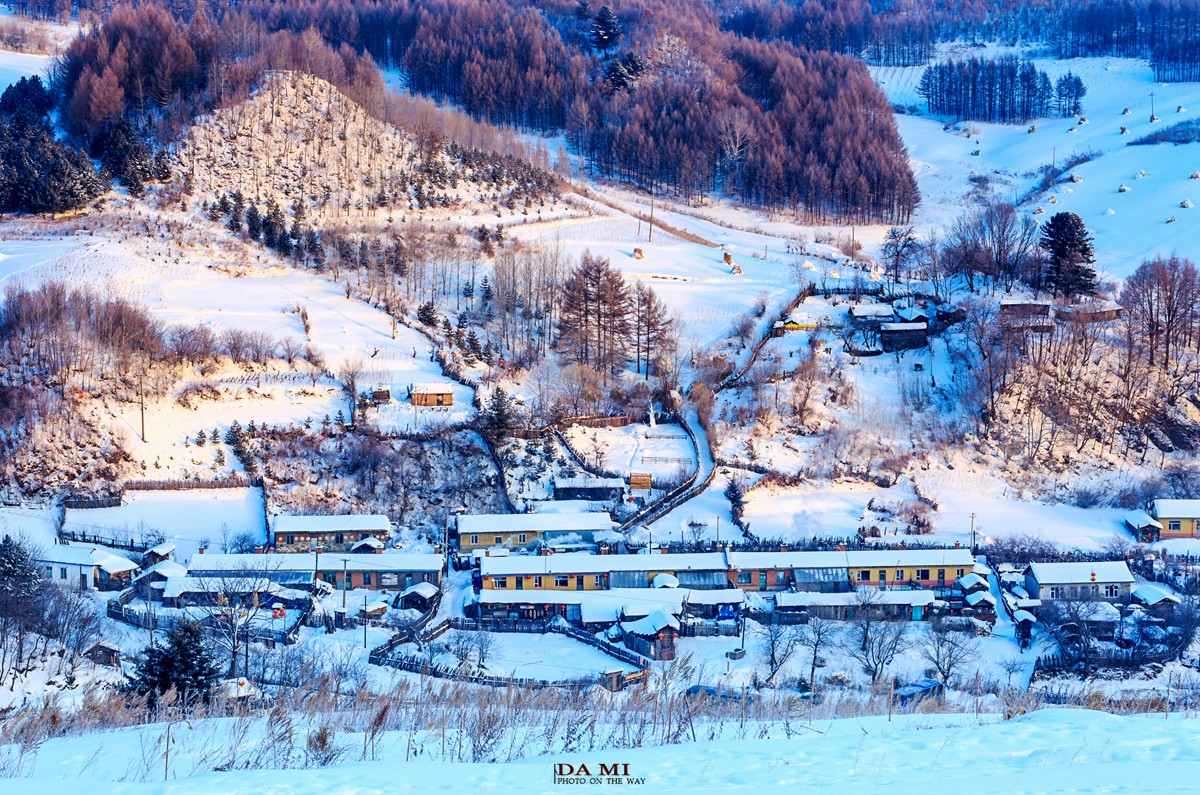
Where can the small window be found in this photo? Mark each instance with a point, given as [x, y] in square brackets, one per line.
[899, 575]
[560, 581]
[1055, 592]
[1111, 591]
[864, 575]
[62, 573]
[499, 582]
[497, 539]
[1174, 526]
[521, 538]
[474, 539]
[289, 539]
[366, 578]
[743, 578]
[958, 573]
[338, 538]
[537, 582]
[922, 574]
[599, 580]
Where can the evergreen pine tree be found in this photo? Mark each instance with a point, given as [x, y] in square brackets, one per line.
[606, 30]
[1069, 256]
[254, 221]
[486, 293]
[184, 664]
[201, 438]
[498, 413]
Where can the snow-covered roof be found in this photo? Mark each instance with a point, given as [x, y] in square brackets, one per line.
[855, 558]
[586, 482]
[891, 597]
[1176, 509]
[370, 542]
[425, 589]
[903, 326]
[607, 606]
[651, 624]
[330, 561]
[664, 580]
[1024, 615]
[974, 599]
[1028, 603]
[165, 568]
[431, 389]
[1102, 612]
[911, 313]
[871, 310]
[971, 580]
[86, 556]
[583, 563]
[162, 550]
[1152, 594]
[1020, 592]
[506, 523]
[1140, 519]
[1080, 573]
[175, 587]
[1026, 302]
[345, 523]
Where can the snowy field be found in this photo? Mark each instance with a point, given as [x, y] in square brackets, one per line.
[186, 518]
[552, 657]
[15, 65]
[1009, 157]
[663, 451]
[1050, 751]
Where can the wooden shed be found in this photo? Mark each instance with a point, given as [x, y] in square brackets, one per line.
[431, 394]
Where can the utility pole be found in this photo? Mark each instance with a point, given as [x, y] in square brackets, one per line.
[650, 239]
[345, 582]
[1053, 156]
[972, 533]
[1151, 106]
[364, 621]
[142, 397]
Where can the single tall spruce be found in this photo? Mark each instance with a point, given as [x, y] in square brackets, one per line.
[1069, 256]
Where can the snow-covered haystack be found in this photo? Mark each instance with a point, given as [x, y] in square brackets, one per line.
[1195, 175]
[1141, 174]
[1171, 220]
[1075, 178]
[298, 137]
[1053, 200]
[1186, 204]
[1039, 211]
[1110, 211]
[1124, 189]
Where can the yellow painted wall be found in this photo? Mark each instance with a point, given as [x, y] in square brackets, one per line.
[489, 540]
[530, 582]
[1187, 527]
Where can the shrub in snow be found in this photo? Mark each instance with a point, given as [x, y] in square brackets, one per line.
[1110, 211]
[1039, 211]
[1141, 174]
[1195, 175]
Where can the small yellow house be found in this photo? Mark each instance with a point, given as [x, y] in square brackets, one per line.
[478, 533]
[1179, 518]
[431, 395]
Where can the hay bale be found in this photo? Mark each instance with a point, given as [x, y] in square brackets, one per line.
[1124, 189]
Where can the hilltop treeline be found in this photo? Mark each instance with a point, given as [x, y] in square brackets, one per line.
[658, 94]
[1004, 90]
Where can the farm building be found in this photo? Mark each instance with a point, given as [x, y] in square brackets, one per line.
[797, 321]
[331, 533]
[912, 313]
[1093, 312]
[1145, 528]
[300, 570]
[479, 533]
[1107, 580]
[87, 568]
[641, 480]
[1027, 313]
[157, 554]
[870, 315]
[589, 488]
[652, 636]
[841, 572]
[421, 596]
[431, 394]
[903, 336]
[1177, 518]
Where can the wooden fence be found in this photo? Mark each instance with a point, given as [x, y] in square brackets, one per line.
[167, 622]
[129, 544]
[234, 482]
[1103, 658]
[677, 496]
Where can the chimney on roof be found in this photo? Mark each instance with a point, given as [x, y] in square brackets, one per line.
[258, 549]
[201, 550]
[958, 545]
[783, 547]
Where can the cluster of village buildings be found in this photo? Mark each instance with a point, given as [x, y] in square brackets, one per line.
[574, 567]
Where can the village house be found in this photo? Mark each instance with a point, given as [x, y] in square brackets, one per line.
[86, 568]
[1177, 518]
[1029, 314]
[431, 394]
[341, 570]
[893, 605]
[651, 636]
[589, 488]
[331, 533]
[1107, 580]
[479, 534]
[869, 316]
[157, 554]
[1145, 528]
[843, 571]
[903, 336]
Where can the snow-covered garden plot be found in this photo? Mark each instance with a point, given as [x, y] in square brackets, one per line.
[663, 451]
[705, 517]
[186, 517]
[550, 657]
[824, 510]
